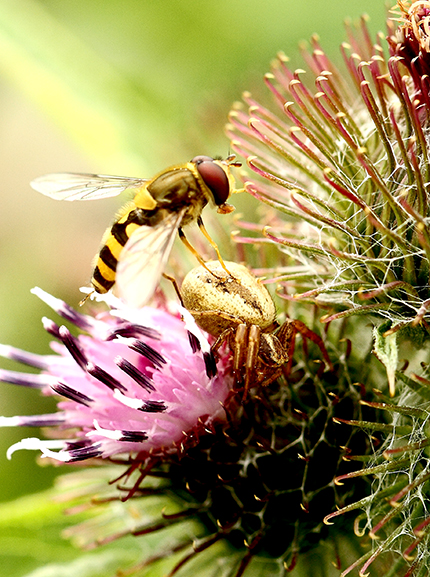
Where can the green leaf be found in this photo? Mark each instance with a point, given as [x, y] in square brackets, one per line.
[385, 349]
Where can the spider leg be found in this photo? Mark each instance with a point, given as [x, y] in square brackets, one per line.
[269, 380]
[238, 344]
[287, 337]
[249, 338]
[308, 334]
[220, 340]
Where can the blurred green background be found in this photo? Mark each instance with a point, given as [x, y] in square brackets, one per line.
[122, 88]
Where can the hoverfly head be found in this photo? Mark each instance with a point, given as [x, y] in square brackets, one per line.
[217, 177]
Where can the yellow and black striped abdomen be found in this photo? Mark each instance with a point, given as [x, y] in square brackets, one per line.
[114, 241]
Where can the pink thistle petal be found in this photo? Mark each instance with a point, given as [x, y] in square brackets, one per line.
[145, 392]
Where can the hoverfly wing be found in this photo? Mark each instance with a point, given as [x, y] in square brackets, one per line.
[144, 258]
[70, 186]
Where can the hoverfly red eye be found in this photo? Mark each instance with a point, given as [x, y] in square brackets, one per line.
[200, 159]
[214, 177]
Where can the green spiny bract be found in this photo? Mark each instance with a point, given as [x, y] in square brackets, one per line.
[343, 164]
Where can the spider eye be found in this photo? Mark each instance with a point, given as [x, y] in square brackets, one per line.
[214, 177]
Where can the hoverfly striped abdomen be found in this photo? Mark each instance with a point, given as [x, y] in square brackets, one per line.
[134, 217]
[130, 219]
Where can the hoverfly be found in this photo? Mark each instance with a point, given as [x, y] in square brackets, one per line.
[135, 249]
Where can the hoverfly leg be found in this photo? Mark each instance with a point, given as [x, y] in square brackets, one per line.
[195, 253]
[212, 243]
[175, 286]
[86, 297]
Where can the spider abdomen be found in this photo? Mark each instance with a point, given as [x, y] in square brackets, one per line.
[235, 299]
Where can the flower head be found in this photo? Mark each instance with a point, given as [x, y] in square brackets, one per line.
[129, 385]
[344, 159]
[412, 39]
[343, 166]
[136, 390]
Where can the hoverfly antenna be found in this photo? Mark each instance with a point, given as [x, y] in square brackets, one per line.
[231, 161]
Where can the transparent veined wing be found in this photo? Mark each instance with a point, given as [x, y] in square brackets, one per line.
[144, 258]
[70, 186]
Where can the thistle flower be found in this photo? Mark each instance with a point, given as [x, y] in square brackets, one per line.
[130, 386]
[344, 162]
[256, 476]
[346, 155]
[248, 482]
